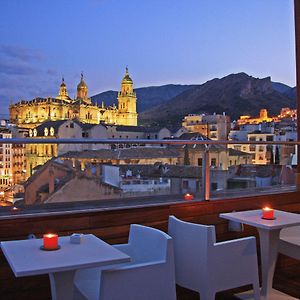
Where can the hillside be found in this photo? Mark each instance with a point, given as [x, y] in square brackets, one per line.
[291, 93]
[235, 94]
[148, 97]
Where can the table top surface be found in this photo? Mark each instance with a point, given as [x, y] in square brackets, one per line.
[26, 258]
[254, 218]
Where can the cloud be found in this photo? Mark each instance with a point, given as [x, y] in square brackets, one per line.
[20, 53]
[12, 68]
[52, 72]
[16, 88]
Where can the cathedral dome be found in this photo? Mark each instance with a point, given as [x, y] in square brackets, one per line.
[127, 78]
[63, 93]
[81, 83]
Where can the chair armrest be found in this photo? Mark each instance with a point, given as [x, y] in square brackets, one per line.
[233, 243]
[238, 258]
[125, 248]
[137, 266]
[240, 247]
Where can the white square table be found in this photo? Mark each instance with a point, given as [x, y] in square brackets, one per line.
[26, 259]
[269, 233]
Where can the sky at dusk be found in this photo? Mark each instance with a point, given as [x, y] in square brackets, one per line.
[161, 41]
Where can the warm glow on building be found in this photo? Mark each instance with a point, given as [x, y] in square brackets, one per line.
[263, 117]
[287, 112]
[29, 114]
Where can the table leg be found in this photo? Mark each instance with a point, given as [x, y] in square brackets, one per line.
[269, 241]
[62, 287]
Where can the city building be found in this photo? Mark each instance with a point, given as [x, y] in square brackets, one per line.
[215, 127]
[38, 154]
[18, 156]
[262, 154]
[32, 113]
[137, 132]
[220, 157]
[288, 113]
[263, 117]
[134, 181]
[58, 181]
[6, 165]
[146, 155]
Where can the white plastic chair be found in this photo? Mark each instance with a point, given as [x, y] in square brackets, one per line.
[149, 276]
[289, 243]
[208, 267]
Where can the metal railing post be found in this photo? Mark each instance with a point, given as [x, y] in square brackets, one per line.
[206, 175]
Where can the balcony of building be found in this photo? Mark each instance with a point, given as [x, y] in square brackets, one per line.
[146, 194]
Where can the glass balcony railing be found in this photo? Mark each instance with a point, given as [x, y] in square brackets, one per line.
[130, 172]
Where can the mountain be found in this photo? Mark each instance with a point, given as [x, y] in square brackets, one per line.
[291, 93]
[235, 94]
[281, 87]
[147, 97]
[285, 89]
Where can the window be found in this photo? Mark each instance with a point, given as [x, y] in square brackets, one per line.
[214, 186]
[200, 161]
[185, 184]
[213, 162]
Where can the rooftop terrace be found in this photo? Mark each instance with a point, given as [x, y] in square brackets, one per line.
[112, 225]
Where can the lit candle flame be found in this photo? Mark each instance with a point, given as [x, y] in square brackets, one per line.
[267, 208]
[50, 235]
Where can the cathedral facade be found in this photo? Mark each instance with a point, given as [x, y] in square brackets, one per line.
[29, 114]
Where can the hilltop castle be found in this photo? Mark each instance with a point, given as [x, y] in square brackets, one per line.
[30, 114]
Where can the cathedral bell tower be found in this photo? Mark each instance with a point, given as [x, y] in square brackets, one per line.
[63, 93]
[127, 101]
[82, 90]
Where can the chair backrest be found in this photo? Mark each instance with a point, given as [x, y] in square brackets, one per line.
[148, 244]
[192, 242]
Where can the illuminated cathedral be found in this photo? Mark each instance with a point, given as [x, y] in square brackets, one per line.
[30, 114]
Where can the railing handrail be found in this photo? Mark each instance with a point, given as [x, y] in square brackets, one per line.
[140, 141]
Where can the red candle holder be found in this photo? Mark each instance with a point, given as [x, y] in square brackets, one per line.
[50, 242]
[268, 213]
[188, 196]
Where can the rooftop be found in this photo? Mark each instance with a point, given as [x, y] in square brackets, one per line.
[119, 154]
